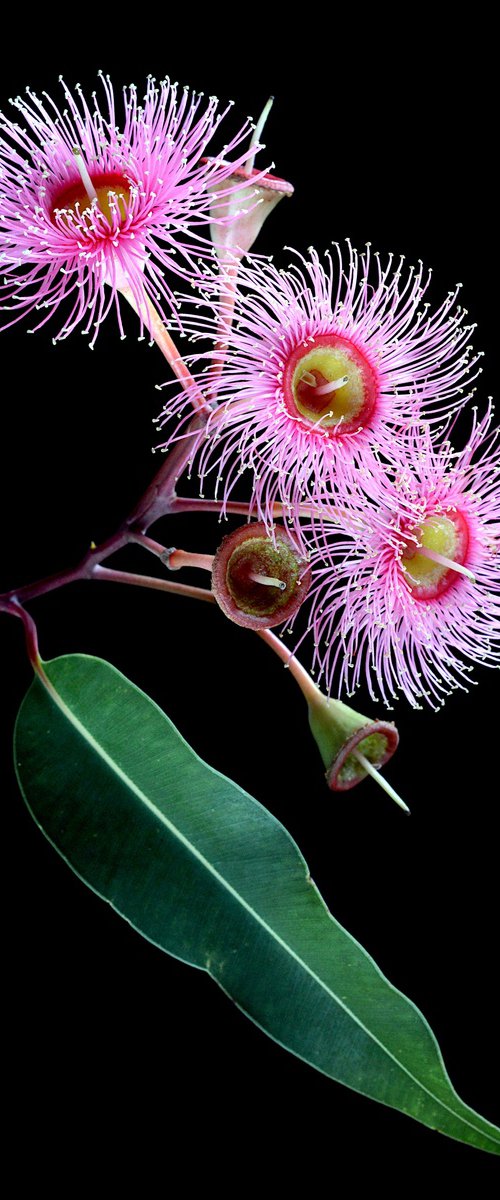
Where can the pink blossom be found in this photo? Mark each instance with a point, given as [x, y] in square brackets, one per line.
[326, 365]
[148, 192]
[391, 605]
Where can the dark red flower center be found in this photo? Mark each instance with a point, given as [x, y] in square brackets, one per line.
[330, 383]
[447, 537]
[113, 197]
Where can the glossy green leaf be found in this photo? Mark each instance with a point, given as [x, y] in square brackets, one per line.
[204, 871]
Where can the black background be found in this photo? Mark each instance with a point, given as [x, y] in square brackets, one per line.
[141, 1056]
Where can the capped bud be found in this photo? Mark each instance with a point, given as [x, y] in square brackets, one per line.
[345, 737]
[259, 581]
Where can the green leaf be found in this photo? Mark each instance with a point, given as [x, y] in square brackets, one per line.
[204, 871]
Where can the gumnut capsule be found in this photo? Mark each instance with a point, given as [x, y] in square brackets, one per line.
[259, 581]
[344, 737]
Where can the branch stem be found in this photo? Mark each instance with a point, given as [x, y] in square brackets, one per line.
[149, 544]
[226, 313]
[184, 504]
[184, 558]
[234, 507]
[84, 570]
[30, 632]
[150, 581]
[159, 499]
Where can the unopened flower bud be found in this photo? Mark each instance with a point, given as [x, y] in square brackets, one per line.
[259, 581]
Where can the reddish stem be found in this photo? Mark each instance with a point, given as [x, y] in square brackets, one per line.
[84, 570]
[161, 336]
[301, 676]
[30, 635]
[148, 543]
[183, 504]
[149, 581]
[159, 499]
[184, 558]
[194, 504]
[226, 313]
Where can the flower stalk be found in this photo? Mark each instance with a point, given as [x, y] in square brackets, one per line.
[149, 316]
[350, 745]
